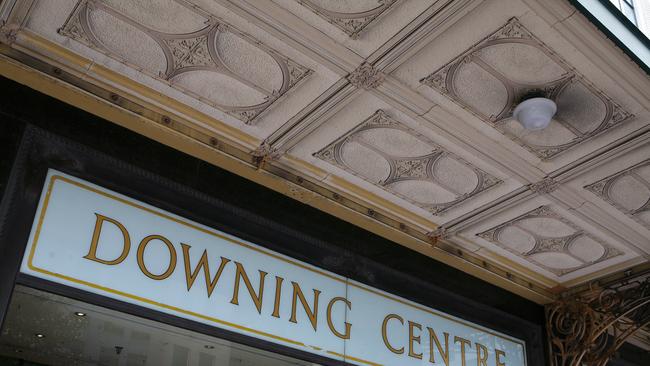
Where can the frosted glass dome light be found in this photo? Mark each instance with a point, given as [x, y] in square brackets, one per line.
[535, 113]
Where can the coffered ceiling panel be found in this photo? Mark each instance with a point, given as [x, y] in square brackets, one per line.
[540, 235]
[492, 77]
[506, 54]
[202, 56]
[550, 241]
[616, 189]
[208, 58]
[388, 154]
[373, 145]
[628, 191]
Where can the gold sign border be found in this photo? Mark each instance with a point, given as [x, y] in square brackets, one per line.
[41, 218]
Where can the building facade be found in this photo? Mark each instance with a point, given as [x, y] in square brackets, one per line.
[324, 183]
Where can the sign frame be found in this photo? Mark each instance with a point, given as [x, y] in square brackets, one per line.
[59, 271]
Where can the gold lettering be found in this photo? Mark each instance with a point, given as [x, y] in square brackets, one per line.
[190, 276]
[257, 298]
[345, 335]
[413, 338]
[297, 294]
[384, 335]
[433, 338]
[172, 257]
[463, 342]
[278, 292]
[500, 353]
[126, 244]
[481, 355]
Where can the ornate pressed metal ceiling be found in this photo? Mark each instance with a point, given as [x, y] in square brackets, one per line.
[393, 114]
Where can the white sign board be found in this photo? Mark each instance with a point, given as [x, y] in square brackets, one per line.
[100, 241]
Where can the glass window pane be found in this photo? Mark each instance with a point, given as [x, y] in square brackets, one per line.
[50, 330]
[629, 12]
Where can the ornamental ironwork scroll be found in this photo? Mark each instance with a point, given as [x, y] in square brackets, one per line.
[589, 328]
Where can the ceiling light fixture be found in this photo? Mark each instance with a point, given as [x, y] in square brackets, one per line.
[39, 335]
[79, 313]
[535, 113]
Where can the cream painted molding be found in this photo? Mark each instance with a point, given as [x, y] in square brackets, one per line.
[366, 77]
[313, 115]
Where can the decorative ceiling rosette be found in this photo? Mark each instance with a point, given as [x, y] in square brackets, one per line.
[550, 241]
[194, 52]
[628, 191]
[402, 161]
[352, 16]
[493, 76]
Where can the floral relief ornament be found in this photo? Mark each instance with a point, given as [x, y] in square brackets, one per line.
[545, 186]
[366, 77]
[354, 23]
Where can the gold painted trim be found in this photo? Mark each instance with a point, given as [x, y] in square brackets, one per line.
[133, 203]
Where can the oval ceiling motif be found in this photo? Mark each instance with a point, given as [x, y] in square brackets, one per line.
[248, 76]
[416, 169]
[548, 240]
[496, 74]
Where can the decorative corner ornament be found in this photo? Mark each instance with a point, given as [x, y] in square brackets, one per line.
[264, 153]
[544, 186]
[8, 35]
[435, 236]
[366, 77]
[352, 23]
[544, 243]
